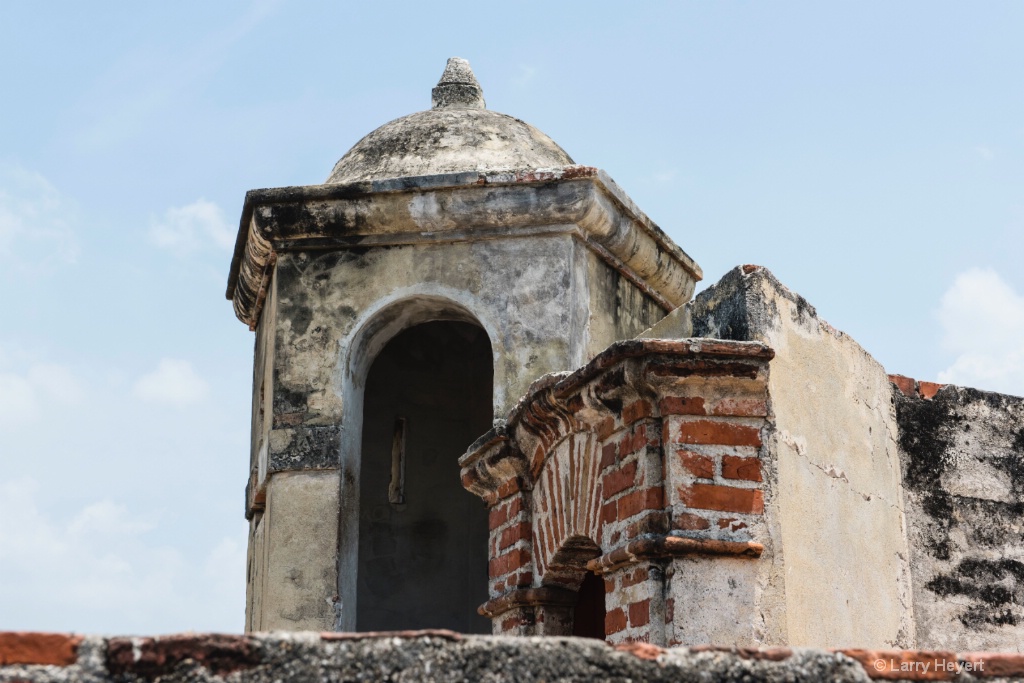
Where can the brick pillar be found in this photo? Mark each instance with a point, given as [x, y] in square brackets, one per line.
[552, 619]
[714, 490]
[632, 477]
[510, 550]
[517, 621]
[713, 467]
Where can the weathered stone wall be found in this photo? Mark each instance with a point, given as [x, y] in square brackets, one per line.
[962, 452]
[520, 290]
[428, 657]
[839, 574]
[618, 308]
[544, 301]
[256, 487]
[293, 553]
[450, 208]
[255, 565]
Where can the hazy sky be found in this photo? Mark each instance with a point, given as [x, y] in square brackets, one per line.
[871, 154]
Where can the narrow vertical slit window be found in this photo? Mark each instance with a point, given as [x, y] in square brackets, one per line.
[396, 489]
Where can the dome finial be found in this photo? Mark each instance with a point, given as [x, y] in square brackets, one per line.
[458, 88]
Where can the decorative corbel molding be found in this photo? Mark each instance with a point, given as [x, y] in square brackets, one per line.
[563, 403]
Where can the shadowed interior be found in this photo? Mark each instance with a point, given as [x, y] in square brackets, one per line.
[423, 537]
[588, 616]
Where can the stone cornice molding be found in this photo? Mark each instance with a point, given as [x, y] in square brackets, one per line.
[556, 405]
[578, 200]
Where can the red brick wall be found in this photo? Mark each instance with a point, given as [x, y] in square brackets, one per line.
[598, 467]
[713, 463]
[632, 479]
[510, 551]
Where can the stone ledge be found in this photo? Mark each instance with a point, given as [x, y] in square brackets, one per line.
[671, 546]
[528, 597]
[438, 655]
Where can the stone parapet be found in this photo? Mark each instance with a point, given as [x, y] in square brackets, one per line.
[446, 656]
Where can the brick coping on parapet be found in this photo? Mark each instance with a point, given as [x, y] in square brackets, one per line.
[29, 657]
[912, 388]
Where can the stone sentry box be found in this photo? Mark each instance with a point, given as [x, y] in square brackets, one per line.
[550, 260]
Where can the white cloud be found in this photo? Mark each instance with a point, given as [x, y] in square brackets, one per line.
[57, 382]
[106, 567]
[984, 152]
[224, 567]
[24, 395]
[191, 227]
[35, 229]
[983, 324]
[173, 382]
[106, 518]
[18, 402]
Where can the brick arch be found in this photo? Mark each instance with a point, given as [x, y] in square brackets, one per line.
[567, 499]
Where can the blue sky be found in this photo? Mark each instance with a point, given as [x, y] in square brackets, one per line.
[871, 154]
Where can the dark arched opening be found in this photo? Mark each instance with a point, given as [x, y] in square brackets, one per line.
[588, 615]
[422, 537]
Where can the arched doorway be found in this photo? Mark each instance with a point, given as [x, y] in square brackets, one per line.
[422, 537]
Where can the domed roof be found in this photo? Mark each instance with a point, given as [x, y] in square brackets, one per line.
[458, 134]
